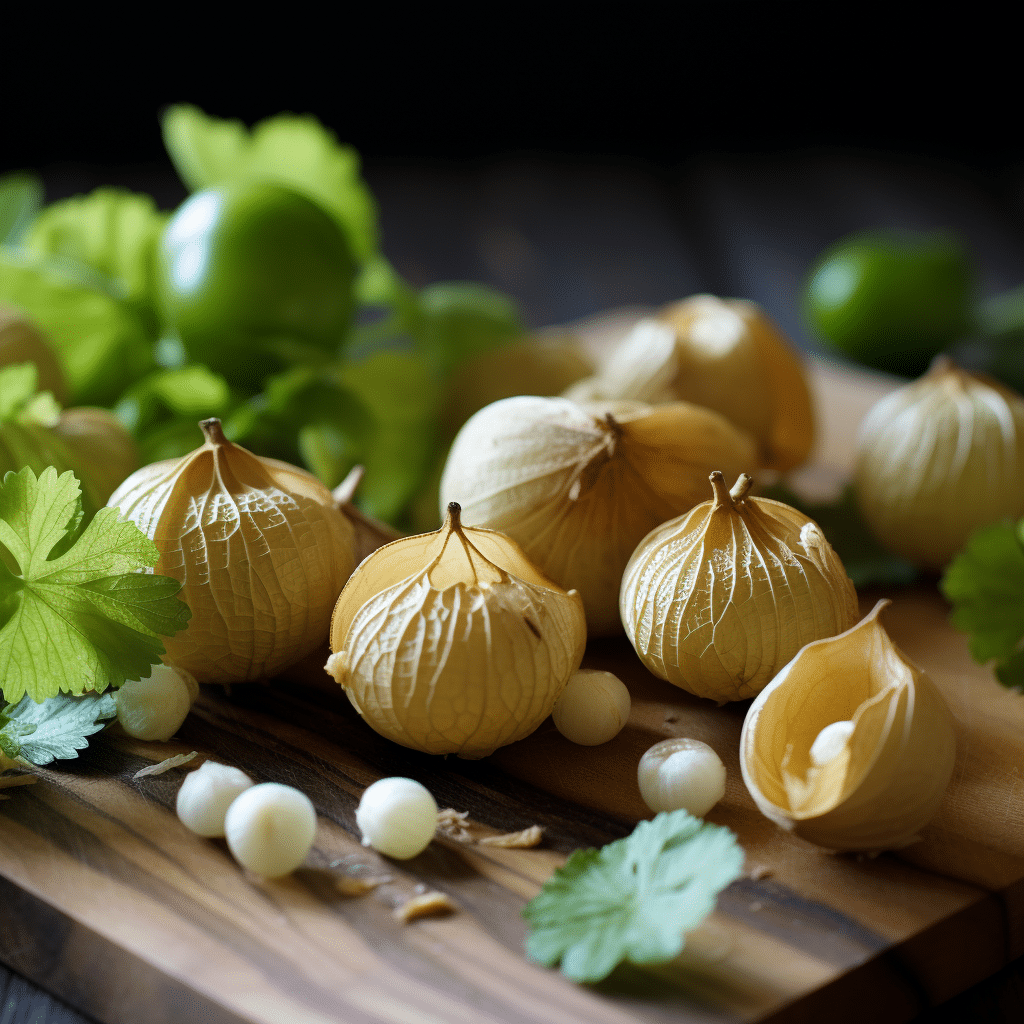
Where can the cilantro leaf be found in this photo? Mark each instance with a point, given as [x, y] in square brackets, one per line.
[633, 899]
[292, 150]
[56, 728]
[21, 196]
[985, 585]
[867, 562]
[80, 616]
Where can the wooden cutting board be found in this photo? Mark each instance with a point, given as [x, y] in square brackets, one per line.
[107, 901]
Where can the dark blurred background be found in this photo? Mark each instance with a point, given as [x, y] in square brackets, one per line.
[580, 162]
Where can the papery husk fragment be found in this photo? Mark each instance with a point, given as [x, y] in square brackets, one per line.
[889, 778]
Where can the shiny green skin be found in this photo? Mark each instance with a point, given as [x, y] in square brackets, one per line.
[251, 275]
[892, 301]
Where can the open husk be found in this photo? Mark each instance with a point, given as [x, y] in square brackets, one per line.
[259, 546]
[452, 642]
[851, 746]
[578, 487]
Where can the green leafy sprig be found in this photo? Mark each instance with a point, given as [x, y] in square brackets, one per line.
[77, 610]
[57, 728]
[634, 899]
[985, 585]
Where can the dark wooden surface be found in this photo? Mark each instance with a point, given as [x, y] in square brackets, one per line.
[569, 238]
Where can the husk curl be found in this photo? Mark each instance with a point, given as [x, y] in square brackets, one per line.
[886, 780]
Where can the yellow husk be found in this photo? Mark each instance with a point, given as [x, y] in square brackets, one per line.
[453, 642]
[717, 600]
[889, 780]
[725, 355]
[259, 547]
[938, 459]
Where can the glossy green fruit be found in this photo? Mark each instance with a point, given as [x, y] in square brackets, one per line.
[251, 276]
[891, 301]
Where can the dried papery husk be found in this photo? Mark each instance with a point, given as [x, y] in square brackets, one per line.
[717, 600]
[724, 354]
[939, 458]
[578, 488]
[259, 547]
[453, 642]
[888, 773]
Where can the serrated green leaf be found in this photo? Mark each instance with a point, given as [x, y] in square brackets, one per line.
[985, 585]
[79, 614]
[21, 198]
[57, 727]
[634, 899]
[289, 149]
[102, 344]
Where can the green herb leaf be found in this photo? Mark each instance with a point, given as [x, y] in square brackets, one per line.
[21, 197]
[634, 899]
[102, 344]
[402, 395]
[163, 409]
[111, 230]
[78, 615]
[20, 399]
[292, 150]
[56, 728]
[457, 320]
[867, 563]
[17, 389]
[985, 585]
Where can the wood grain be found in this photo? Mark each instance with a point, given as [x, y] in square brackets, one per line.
[106, 900]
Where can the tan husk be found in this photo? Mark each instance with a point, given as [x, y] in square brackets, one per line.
[717, 600]
[452, 642]
[724, 354]
[886, 780]
[259, 547]
[938, 459]
[579, 487]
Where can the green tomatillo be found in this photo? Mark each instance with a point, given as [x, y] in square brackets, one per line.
[892, 301]
[253, 276]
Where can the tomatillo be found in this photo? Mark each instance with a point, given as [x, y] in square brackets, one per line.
[250, 275]
[892, 301]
